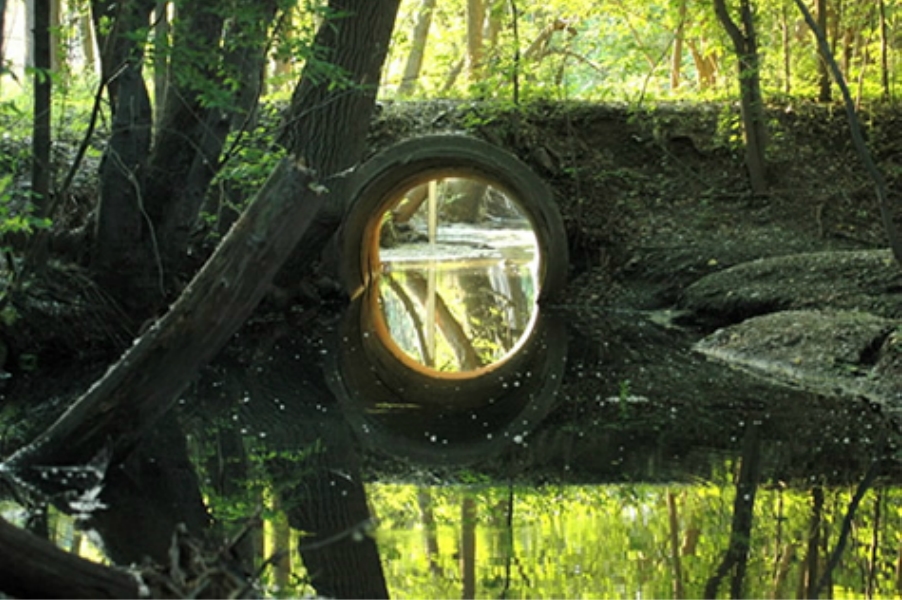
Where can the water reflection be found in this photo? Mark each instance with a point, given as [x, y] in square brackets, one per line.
[456, 274]
[413, 415]
[633, 541]
[635, 477]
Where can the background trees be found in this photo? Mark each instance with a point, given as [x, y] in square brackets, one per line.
[178, 88]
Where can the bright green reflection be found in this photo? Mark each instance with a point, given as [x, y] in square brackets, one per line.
[583, 541]
[618, 541]
[458, 274]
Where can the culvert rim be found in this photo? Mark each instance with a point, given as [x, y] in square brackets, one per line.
[406, 164]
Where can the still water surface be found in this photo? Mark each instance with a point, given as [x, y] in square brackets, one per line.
[445, 438]
[612, 472]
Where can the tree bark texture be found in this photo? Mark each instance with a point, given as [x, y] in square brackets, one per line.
[138, 390]
[329, 125]
[120, 216]
[326, 125]
[751, 101]
[191, 133]
[475, 21]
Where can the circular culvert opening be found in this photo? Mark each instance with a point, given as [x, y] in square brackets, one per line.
[455, 241]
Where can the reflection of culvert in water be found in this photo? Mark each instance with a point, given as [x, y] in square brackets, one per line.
[455, 242]
[412, 416]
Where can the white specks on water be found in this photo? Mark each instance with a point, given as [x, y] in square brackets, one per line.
[518, 439]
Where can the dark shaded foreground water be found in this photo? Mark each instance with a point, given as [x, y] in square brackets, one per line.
[605, 460]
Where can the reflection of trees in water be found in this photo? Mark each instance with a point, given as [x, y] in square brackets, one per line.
[650, 540]
[481, 312]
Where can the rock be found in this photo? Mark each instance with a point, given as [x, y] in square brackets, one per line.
[865, 280]
[832, 353]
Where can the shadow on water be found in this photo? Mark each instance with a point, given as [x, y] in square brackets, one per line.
[604, 459]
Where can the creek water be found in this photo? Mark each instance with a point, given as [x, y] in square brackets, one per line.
[444, 437]
[613, 462]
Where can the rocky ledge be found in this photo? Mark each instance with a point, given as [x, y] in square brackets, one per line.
[828, 322]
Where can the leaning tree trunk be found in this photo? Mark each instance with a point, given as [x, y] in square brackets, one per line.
[751, 101]
[145, 382]
[328, 126]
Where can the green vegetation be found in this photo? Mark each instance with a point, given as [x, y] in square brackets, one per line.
[614, 541]
[507, 52]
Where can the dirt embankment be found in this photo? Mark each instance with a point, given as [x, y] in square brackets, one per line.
[660, 219]
[656, 208]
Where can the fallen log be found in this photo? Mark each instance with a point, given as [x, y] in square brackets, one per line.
[147, 380]
[36, 568]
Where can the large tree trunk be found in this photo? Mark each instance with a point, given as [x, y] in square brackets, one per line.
[328, 126]
[145, 382]
[191, 133]
[138, 390]
[750, 98]
[149, 206]
[119, 261]
[475, 21]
